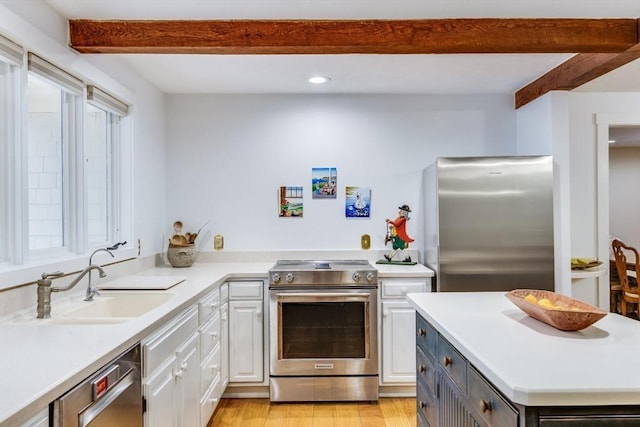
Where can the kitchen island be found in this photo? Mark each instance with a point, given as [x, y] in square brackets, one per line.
[481, 358]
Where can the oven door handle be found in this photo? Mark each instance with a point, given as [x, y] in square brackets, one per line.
[93, 411]
[323, 294]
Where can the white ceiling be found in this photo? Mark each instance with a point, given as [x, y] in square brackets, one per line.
[437, 74]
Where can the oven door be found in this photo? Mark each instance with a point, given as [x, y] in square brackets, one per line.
[323, 331]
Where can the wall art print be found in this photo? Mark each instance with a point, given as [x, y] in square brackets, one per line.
[324, 183]
[357, 202]
[290, 202]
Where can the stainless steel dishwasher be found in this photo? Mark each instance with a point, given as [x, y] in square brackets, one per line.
[110, 397]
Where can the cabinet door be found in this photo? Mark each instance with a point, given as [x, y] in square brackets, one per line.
[161, 393]
[245, 341]
[398, 342]
[452, 409]
[224, 345]
[188, 368]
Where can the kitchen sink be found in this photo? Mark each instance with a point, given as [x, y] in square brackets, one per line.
[108, 308]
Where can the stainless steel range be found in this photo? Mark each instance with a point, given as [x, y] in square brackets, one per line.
[323, 331]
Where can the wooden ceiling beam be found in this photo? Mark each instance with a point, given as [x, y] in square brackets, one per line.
[424, 36]
[576, 71]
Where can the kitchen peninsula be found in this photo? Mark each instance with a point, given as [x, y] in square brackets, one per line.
[503, 367]
[42, 360]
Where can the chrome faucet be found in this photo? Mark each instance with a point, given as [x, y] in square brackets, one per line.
[43, 310]
[91, 292]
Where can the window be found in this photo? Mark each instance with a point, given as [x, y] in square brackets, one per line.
[102, 148]
[61, 164]
[11, 58]
[46, 164]
[54, 135]
[97, 152]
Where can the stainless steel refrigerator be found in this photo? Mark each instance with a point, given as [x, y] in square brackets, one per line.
[489, 223]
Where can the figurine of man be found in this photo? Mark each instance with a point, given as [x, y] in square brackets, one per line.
[400, 241]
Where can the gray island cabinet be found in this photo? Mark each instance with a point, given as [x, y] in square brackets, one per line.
[483, 362]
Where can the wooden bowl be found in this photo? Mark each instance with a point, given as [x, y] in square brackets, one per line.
[567, 315]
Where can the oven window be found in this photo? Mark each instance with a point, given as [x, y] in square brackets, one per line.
[325, 330]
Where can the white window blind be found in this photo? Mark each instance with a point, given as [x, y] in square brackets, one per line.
[52, 73]
[102, 99]
[10, 51]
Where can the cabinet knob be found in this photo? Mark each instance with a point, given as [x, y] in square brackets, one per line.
[485, 406]
[184, 366]
[177, 373]
[422, 332]
[423, 405]
[446, 361]
[422, 369]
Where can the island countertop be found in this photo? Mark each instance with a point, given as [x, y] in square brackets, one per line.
[532, 363]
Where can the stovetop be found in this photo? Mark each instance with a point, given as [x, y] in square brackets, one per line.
[286, 273]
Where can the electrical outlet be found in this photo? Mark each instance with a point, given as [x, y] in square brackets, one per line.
[218, 242]
[365, 241]
[139, 246]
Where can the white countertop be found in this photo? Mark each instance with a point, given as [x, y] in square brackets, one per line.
[39, 362]
[535, 364]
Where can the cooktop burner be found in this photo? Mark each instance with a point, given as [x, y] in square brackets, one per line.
[286, 273]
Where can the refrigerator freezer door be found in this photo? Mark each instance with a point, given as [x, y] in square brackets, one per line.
[495, 223]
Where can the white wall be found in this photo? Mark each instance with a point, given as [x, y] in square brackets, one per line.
[624, 194]
[543, 129]
[228, 155]
[587, 239]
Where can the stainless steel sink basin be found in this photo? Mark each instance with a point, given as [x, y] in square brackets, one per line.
[108, 308]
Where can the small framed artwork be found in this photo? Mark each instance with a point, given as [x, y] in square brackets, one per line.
[290, 202]
[357, 202]
[324, 183]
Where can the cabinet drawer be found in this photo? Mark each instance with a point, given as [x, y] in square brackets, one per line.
[453, 363]
[209, 335]
[208, 305]
[245, 290]
[426, 370]
[426, 337]
[426, 403]
[490, 405]
[210, 370]
[163, 344]
[208, 404]
[400, 288]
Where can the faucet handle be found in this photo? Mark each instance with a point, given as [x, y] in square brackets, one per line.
[54, 274]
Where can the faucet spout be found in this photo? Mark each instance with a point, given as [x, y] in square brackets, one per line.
[80, 276]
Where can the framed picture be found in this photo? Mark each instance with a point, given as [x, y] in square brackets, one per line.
[290, 202]
[324, 183]
[357, 202]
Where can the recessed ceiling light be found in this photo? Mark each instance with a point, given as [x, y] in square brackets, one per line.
[318, 80]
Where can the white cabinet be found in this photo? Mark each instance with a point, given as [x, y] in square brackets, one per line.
[246, 334]
[397, 338]
[212, 346]
[171, 374]
[224, 336]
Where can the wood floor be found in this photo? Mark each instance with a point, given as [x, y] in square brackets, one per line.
[388, 412]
